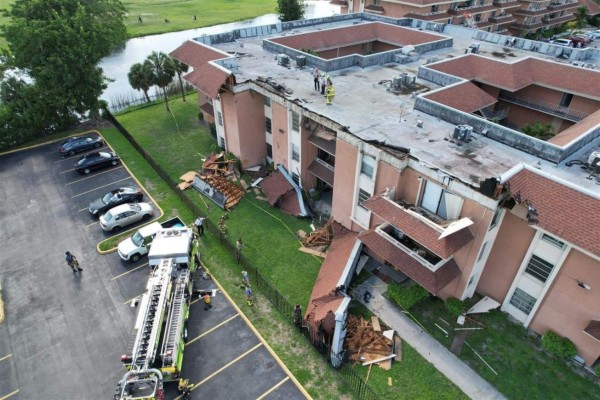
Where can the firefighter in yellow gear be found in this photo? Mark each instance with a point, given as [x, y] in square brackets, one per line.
[329, 93]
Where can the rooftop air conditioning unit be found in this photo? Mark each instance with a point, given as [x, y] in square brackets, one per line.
[475, 47]
[300, 61]
[283, 59]
[462, 132]
[397, 83]
[407, 49]
[593, 158]
[409, 79]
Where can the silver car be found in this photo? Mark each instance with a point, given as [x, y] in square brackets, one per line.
[118, 217]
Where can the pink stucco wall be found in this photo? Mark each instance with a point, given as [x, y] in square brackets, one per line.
[343, 188]
[279, 125]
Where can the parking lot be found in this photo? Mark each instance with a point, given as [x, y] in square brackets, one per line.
[64, 333]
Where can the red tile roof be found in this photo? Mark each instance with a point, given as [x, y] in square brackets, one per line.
[356, 34]
[288, 203]
[324, 298]
[592, 7]
[593, 329]
[562, 211]
[523, 73]
[432, 281]
[465, 97]
[196, 54]
[208, 78]
[275, 186]
[416, 229]
[575, 131]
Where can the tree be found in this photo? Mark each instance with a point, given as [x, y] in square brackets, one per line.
[163, 72]
[140, 78]
[581, 16]
[59, 44]
[290, 10]
[180, 68]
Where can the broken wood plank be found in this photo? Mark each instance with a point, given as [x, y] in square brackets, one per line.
[188, 176]
[311, 251]
[389, 381]
[244, 184]
[261, 198]
[184, 185]
[301, 234]
[375, 322]
[368, 373]
[256, 190]
[378, 360]
[398, 348]
[386, 365]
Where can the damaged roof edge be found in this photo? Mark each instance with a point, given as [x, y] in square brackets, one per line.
[303, 211]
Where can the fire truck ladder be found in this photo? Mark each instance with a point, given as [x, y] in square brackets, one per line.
[145, 347]
[175, 318]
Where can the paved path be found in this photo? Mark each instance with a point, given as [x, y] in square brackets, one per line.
[447, 363]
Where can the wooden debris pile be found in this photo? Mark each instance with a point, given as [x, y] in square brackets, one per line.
[320, 237]
[368, 344]
[232, 193]
[216, 164]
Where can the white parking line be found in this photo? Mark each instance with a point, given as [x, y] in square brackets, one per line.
[83, 209]
[93, 223]
[91, 176]
[68, 170]
[128, 272]
[100, 187]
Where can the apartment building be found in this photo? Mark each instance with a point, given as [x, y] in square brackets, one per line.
[424, 160]
[517, 16]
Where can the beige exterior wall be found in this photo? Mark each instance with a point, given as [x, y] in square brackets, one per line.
[308, 152]
[567, 308]
[203, 98]
[343, 189]
[279, 124]
[506, 256]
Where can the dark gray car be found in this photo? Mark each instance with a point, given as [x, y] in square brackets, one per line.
[127, 194]
[79, 143]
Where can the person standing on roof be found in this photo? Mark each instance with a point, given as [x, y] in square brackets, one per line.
[72, 262]
[316, 77]
[323, 83]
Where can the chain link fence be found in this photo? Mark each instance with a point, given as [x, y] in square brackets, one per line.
[358, 386]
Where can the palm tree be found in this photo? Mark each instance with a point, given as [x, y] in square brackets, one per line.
[140, 78]
[581, 16]
[163, 72]
[180, 68]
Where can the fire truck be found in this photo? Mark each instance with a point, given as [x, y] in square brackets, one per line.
[160, 330]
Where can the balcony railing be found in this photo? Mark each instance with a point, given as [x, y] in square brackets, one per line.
[496, 114]
[476, 9]
[501, 18]
[507, 4]
[559, 20]
[431, 16]
[545, 107]
[410, 252]
[562, 6]
[539, 11]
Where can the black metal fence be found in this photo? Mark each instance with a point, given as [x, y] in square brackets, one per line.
[278, 300]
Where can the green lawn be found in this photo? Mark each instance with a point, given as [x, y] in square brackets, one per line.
[524, 370]
[260, 226]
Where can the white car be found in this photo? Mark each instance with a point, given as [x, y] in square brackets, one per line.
[125, 214]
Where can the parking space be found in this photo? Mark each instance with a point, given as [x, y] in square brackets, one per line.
[64, 333]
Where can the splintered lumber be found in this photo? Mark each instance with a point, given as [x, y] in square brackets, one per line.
[377, 360]
[256, 190]
[244, 184]
[261, 198]
[313, 252]
[375, 322]
[389, 381]
[188, 176]
[184, 185]
[301, 234]
[321, 236]
[386, 365]
[368, 373]
[398, 348]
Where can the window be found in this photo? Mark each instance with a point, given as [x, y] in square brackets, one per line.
[522, 301]
[363, 196]
[553, 241]
[219, 118]
[565, 101]
[538, 268]
[268, 124]
[434, 8]
[495, 219]
[295, 152]
[267, 101]
[295, 121]
[441, 202]
[367, 166]
[222, 142]
[269, 151]
[296, 178]
[482, 251]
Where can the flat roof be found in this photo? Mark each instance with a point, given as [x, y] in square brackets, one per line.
[370, 111]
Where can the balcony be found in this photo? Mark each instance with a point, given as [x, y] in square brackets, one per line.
[322, 170]
[528, 26]
[324, 141]
[502, 19]
[342, 3]
[563, 6]
[539, 11]
[476, 9]
[432, 16]
[559, 20]
[507, 4]
[406, 261]
[542, 106]
[441, 238]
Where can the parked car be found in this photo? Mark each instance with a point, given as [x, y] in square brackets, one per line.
[579, 41]
[138, 245]
[562, 42]
[95, 160]
[127, 194]
[77, 144]
[120, 216]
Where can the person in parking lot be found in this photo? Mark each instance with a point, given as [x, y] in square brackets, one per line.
[72, 262]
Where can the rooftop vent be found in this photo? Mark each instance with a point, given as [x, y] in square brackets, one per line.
[283, 59]
[462, 132]
[474, 47]
[300, 61]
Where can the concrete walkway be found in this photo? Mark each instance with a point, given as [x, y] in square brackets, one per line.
[447, 363]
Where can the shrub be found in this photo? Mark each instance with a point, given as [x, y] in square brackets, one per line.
[561, 346]
[407, 296]
[454, 306]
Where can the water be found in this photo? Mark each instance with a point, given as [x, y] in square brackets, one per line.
[116, 66]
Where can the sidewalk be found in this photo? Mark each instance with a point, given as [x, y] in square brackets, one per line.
[447, 363]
